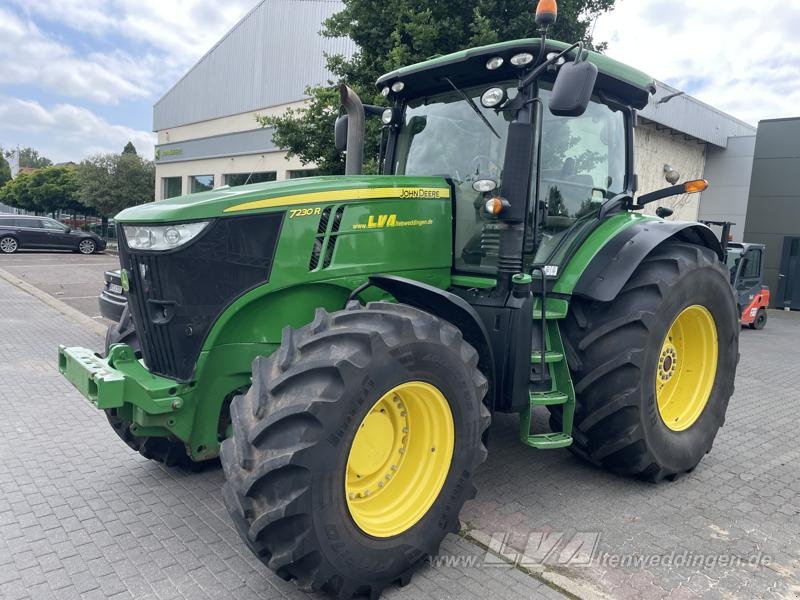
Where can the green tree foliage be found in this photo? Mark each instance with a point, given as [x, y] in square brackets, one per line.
[46, 190]
[28, 157]
[392, 34]
[129, 148]
[5, 169]
[112, 182]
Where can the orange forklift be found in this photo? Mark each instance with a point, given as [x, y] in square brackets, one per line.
[746, 264]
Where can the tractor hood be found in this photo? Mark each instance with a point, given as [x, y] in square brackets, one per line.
[280, 195]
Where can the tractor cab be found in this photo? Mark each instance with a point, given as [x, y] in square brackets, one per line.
[517, 142]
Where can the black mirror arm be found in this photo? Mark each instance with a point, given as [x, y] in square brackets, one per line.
[531, 77]
[673, 190]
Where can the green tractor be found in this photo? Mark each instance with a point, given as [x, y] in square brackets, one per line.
[342, 342]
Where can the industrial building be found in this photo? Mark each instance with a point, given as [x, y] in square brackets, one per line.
[208, 135]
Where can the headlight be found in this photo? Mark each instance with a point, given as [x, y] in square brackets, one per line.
[161, 237]
[521, 59]
[493, 97]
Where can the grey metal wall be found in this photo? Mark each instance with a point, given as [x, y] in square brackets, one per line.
[267, 59]
[690, 116]
[773, 207]
[728, 173]
[254, 141]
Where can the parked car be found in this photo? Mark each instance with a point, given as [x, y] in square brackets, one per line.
[22, 231]
[112, 297]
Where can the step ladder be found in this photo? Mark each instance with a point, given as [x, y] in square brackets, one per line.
[553, 362]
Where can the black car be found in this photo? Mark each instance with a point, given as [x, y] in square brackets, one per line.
[112, 297]
[20, 231]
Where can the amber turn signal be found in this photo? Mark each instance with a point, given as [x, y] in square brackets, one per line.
[494, 206]
[694, 186]
[546, 12]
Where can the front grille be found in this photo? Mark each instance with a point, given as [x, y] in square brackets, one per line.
[175, 297]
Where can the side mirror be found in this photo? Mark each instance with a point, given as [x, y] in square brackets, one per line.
[572, 89]
[68, 230]
[340, 133]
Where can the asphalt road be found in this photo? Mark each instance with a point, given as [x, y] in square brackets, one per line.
[74, 279]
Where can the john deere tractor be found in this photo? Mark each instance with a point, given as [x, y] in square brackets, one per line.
[342, 342]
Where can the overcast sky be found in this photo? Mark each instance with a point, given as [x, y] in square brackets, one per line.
[81, 76]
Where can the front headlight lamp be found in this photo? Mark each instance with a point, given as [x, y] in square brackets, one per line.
[161, 237]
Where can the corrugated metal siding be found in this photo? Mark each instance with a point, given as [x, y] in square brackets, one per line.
[268, 58]
[692, 117]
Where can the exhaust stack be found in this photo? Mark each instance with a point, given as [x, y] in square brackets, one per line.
[354, 159]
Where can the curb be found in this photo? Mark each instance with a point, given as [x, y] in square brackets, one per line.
[62, 307]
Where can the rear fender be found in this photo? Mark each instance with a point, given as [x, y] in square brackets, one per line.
[615, 262]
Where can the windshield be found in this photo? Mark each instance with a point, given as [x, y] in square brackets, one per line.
[442, 135]
[732, 258]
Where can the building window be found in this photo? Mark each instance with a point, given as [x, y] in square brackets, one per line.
[297, 173]
[201, 183]
[234, 179]
[171, 187]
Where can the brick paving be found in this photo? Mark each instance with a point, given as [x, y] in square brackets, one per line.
[82, 516]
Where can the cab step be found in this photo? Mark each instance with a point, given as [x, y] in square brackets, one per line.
[549, 441]
[547, 398]
[549, 357]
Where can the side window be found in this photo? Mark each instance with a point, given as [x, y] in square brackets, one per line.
[52, 225]
[581, 164]
[30, 223]
[752, 265]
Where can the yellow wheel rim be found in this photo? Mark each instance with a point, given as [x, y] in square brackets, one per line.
[687, 366]
[399, 459]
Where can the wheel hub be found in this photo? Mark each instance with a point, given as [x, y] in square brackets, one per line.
[668, 361]
[399, 459]
[686, 368]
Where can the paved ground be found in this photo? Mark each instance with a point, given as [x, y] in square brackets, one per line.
[72, 278]
[81, 515]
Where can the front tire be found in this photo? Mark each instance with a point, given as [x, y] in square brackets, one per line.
[87, 246]
[169, 451]
[350, 405]
[760, 320]
[654, 368]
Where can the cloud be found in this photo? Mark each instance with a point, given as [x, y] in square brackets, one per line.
[731, 54]
[65, 132]
[183, 29]
[29, 57]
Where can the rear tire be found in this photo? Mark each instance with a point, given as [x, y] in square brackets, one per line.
[615, 348]
[8, 244]
[170, 451]
[760, 320]
[288, 462]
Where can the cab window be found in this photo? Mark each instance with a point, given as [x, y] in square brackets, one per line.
[582, 164]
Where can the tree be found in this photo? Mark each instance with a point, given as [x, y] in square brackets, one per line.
[5, 169]
[392, 34]
[129, 148]
[48, 189]
[28, 157]
[112, 182]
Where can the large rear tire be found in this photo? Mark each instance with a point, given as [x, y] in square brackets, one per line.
[170, 451]
[654, 368]
[355, 447]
